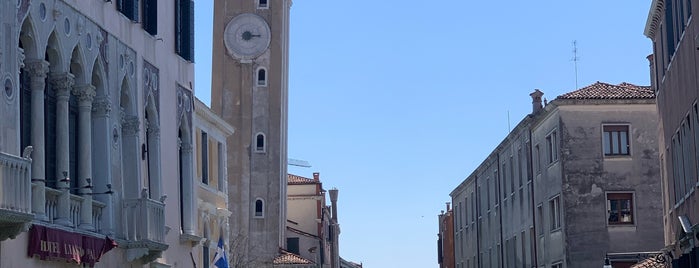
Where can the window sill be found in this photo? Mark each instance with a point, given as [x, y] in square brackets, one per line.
[556, 230]
[621, 227]
[618, 158]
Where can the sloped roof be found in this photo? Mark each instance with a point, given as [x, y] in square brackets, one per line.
[286, 257]
[295, 179]
[601, 90]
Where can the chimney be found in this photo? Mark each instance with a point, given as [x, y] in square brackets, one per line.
[448, 203]
[316, 176]
[536, 101]
[333, 200]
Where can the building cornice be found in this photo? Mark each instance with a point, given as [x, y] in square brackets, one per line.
[204, 112]
[653, 20]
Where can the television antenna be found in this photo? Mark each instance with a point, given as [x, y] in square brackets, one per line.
[575, 60]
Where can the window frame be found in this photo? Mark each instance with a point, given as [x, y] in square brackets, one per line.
[619, 128]
[555, 222]
[261, 214]
[257, 147]
[262, 6]
[552, 146]
[261, 82]
[618, 195]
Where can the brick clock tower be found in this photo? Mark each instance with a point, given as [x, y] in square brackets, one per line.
[249, 90]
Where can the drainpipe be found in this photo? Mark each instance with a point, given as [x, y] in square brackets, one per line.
[535, 260]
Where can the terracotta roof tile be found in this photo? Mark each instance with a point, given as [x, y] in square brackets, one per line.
[601, 90]
[290, 258]
[295, 179]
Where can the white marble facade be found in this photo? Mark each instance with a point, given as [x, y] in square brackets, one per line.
[95, 88]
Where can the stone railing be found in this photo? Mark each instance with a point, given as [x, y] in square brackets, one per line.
[51, 204]
[15, 186]
[145, 220]
[75, 209]
[97, 215]
[15, 195]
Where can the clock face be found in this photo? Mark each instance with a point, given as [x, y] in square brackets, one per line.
[246, 36]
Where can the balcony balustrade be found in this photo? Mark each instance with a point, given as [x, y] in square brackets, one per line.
[145, 228]
[15, 195]
[74, 211]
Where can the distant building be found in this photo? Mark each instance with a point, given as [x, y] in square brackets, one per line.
[445, 239]
[673, 71]
[210, 135]
[313, 229]
[573, 183]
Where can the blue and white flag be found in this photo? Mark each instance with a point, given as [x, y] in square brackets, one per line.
[220, 259]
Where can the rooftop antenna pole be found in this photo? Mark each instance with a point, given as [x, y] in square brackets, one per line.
[575, 61]
[508, 122]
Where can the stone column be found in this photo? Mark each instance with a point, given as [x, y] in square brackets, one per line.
[37, 70]
[131, 156]
[85, 94]
[188, 219]
[102, 163]
[62, 85]
[154, 161]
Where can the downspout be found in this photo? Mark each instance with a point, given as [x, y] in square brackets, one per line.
[497, 167]
[530, 172]
[478, 219]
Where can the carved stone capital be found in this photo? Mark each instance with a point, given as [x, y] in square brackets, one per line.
[186, 148]
[152, 129]
[37, 69]
[129, 125]
[85, 93]
[101, 106]
[62, 84]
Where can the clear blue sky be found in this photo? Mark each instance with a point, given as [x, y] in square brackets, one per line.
[396, 102]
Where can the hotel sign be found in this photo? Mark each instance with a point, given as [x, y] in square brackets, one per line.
[55, 244]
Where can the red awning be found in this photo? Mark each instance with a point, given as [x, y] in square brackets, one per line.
[50, 243]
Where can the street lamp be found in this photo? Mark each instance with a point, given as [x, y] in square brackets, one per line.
[607, 262]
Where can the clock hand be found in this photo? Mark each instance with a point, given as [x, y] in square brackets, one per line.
[247, 35]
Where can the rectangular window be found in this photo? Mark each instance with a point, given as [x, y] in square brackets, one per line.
[523, 249]
[150, 16]
[540, 219]
[262, 4]
[620, 208]
[615, 140]
[537, 151]
[292, 245]
[205, 253]
[465, 210]
[669, 30]
[204, 158]
[552, 147]
[520, 160]
[495, 187]
[504, 180]
[129, 8]
[555, 212]
[487, 193]
[512, 175]
[480, 203]
[221, 167]
[557, 265]
[473, 208]
[184, 29]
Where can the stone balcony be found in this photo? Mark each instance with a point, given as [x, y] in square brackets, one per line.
[77, 205]
[145, 228]
[15, 195]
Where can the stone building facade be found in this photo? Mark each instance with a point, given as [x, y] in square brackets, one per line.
[101, 92]
[445, 238]
[575, 182]
[250, 92]
[673, 72]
